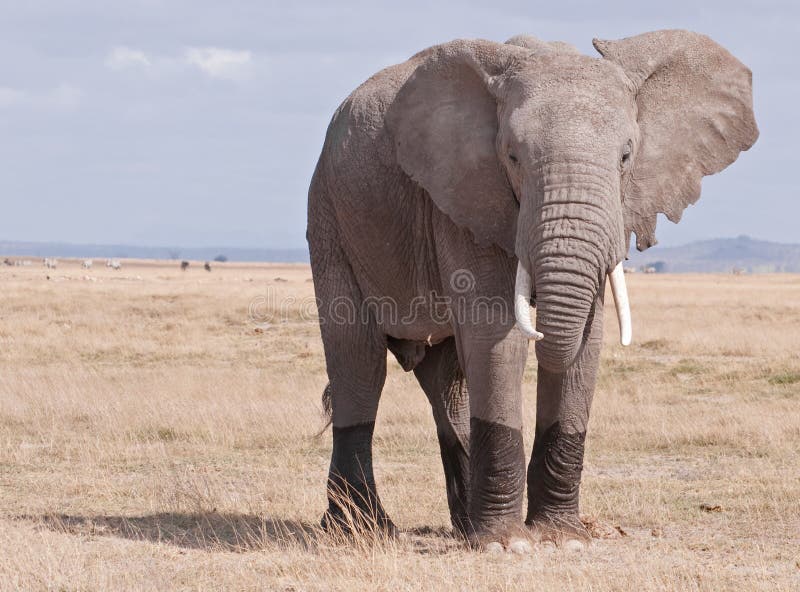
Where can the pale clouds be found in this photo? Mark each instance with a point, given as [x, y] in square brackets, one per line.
[214, 62]
[221, 63]
[122, 57]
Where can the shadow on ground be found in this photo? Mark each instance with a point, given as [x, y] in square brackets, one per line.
[241, 533]
[211, 531]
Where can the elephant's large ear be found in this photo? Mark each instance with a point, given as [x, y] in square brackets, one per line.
[444, 124]
[695, 106]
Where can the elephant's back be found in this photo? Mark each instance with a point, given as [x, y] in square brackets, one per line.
[357, 167]
[360, 119]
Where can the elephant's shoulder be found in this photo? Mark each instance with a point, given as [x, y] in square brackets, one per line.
[366, 106]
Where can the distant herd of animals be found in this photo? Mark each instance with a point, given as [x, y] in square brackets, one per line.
[643, 269]
[52, 263]
[185, 266]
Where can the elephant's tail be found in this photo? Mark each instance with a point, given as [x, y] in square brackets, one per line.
[327, 408]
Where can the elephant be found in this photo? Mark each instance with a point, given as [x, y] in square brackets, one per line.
[460, 189]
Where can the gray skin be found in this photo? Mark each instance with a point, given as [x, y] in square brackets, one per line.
[436, 177]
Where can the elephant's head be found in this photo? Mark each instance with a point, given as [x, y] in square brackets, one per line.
[558, 157]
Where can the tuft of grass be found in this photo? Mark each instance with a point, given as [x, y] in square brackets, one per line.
[157, 434]
[785, 378]
[656, 345]
[686, 366]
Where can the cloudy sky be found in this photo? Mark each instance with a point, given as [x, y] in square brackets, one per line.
[198, 123]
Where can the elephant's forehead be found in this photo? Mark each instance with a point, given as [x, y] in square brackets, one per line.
[570, 92]
[572, 75]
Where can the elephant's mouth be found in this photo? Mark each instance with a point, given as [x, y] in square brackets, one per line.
[587, 328]
[525, 298]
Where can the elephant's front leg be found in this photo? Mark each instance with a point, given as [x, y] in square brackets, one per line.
[562, 414]
[494, 369]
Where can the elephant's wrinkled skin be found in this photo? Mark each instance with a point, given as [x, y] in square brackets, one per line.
[437, 178]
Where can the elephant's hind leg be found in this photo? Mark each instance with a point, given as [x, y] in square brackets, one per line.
[440, 376]
[355, 355]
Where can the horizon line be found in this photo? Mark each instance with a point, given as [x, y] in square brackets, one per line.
[68, 243]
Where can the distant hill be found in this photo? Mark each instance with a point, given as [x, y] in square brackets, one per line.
[721, 255]
[30, 249]
[709, 256]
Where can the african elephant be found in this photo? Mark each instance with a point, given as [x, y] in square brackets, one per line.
[510, 174]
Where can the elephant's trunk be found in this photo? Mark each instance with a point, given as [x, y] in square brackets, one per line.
[568, 243]
[564, 301]
[523, 291]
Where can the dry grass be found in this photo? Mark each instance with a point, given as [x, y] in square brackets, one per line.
[153, 437]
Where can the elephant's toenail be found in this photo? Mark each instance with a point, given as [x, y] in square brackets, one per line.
[494, 548]
[520, 547]
[574, 546]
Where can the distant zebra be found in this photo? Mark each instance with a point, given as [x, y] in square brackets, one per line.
[50, 263]
[87, 264]
[7, 261]
[113, 263]
[184, 265]
[207, 266]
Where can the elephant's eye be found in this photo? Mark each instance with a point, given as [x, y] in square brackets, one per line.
[626, 152]
[513, 158]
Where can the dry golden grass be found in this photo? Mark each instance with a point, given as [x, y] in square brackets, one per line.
[153, 437]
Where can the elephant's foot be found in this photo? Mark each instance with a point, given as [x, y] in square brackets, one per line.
[554, 478]
[355, 511]
[563, 530]
[351, 521]
[353, 504]
[497, 470]
[515, 539]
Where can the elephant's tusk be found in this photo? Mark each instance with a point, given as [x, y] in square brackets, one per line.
[522, 304]
[622, 304]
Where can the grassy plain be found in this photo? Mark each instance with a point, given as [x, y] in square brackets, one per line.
[154, 436]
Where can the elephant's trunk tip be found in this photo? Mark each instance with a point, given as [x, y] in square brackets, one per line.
[523, 288]
[620, 292]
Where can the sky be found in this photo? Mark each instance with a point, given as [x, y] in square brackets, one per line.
[199, 123]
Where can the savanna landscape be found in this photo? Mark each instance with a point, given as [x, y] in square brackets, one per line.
[161, 428]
